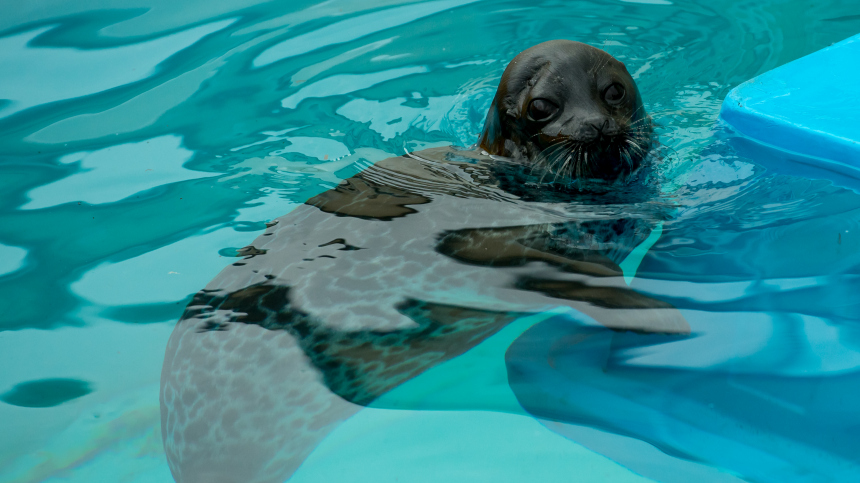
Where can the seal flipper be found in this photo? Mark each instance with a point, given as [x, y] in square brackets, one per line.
[361, 365]
[586, 278]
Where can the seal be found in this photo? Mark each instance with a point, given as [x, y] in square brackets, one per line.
[570, 108]
[402, 267]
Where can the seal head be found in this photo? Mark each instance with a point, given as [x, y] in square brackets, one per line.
[570, 108]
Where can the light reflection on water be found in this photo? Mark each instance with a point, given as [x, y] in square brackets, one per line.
[141, 144]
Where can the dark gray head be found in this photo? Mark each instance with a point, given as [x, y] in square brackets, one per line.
[572, 108]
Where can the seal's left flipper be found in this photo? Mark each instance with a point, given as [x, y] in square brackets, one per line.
[587, 279]
[359, 365]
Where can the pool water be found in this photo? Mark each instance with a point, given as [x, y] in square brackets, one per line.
[143, 143]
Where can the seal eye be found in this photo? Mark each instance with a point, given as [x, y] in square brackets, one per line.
[614, 93]
[541, 109]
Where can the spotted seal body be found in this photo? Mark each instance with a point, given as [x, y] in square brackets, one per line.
[406, 265]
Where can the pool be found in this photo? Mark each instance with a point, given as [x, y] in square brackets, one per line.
[143, 144]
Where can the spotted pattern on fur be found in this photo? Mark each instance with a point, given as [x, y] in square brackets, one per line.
[364, 287]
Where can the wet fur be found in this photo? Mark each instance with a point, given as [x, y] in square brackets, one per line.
[574, 76]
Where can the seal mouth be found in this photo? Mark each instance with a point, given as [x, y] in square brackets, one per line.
[606, 158]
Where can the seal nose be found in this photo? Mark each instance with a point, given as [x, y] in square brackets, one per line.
[593, 129]
[600, 128]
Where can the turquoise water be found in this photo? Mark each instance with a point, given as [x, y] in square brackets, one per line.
[142, 144]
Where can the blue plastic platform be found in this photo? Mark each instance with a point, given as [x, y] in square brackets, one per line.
[810, 106]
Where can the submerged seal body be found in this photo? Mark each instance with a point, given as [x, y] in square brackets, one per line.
[406, 265]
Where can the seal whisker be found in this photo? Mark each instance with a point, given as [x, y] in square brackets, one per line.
[638, 123]
[635, 150]
[547, 158]
[626, 156]
[578, 161]
[583, 164]
[540, 159]
[558, 171]
[564, 166]
[635, 112]
[636, 146]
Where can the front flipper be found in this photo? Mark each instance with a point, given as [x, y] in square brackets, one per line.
[582, 272]
[361, 365]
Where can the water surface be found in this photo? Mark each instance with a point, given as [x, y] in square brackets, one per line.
[143, 143]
